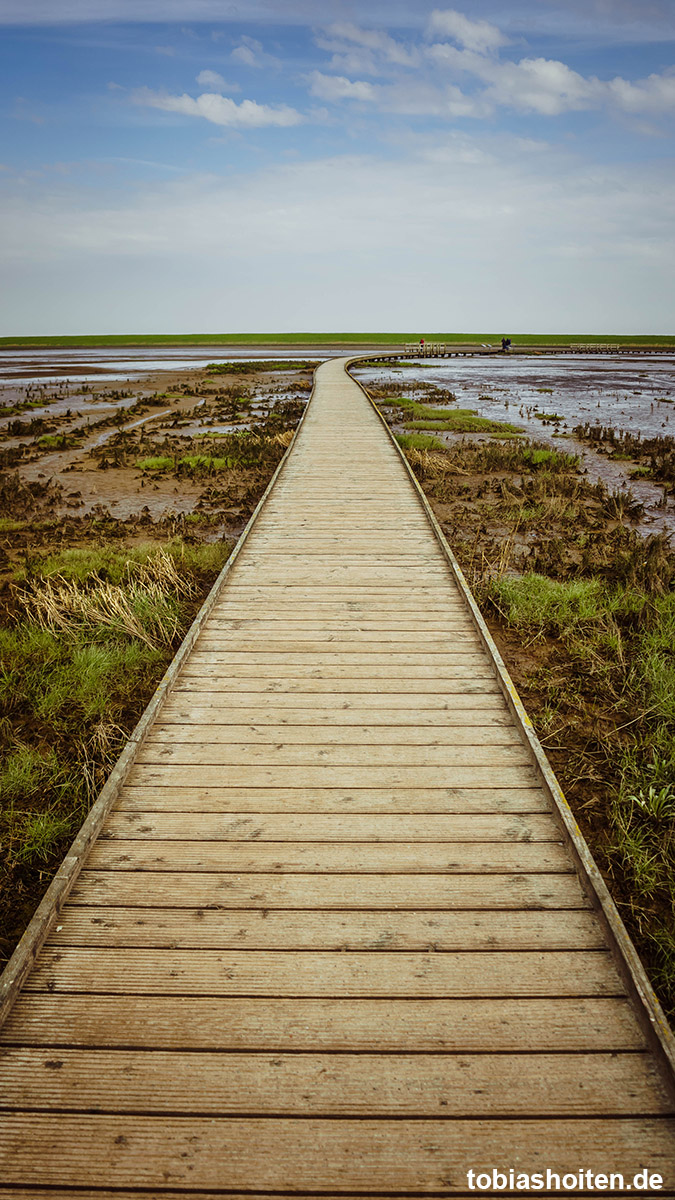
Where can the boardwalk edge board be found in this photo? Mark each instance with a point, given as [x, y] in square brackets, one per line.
[631, 969]
[47, 912]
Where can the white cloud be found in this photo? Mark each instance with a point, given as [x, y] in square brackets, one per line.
[336, 87]
[247, 52]
[541, 85]
[220, 110]
[656, 94]
[506, 228]
[250, 53]
[212, 79]
[549, 87]
[374, 41]
[418, 98]
[480, 36]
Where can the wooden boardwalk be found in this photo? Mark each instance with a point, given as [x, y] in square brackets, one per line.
[334, 937]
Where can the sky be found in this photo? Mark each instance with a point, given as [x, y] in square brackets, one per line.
[177, 166]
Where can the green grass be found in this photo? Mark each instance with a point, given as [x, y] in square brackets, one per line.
[416, 410]
[553, 460]
[537, 605]
[159, 463]
[290, 339]
[93, 631]
[112, 563]
[204, 464]
[53, 441]
[239, 368]
[453, 420]
[465, 420]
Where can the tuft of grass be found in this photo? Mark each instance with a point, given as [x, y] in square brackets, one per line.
[26, 772]
[204, 464]
[537, 605]
[37, 837]
[158, 463]
[52, 441]
[465, 420]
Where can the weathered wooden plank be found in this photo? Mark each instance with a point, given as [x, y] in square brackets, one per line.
[203, 929]
[332, 800]
[389, 1026]
[342, 614]
[225, 890]
[477, 1085]
[411, 594]
[183, 711]
[240, 775]
[445, 660]
[275, 573]
[476, 733]
[270, 688]
[216, 754]
[404, 706]
[363, 542]
[316, 973]
[367, 644]
[346, 857]
[274, 1154]
[399, 676]
[353, 827]
[425, 560]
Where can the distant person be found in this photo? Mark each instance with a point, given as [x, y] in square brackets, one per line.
[506, 344]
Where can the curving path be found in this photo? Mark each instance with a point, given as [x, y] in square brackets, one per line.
[336, 935]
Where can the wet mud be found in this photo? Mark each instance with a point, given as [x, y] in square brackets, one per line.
[79, 445]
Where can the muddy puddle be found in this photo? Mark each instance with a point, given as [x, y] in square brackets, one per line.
[547, 396]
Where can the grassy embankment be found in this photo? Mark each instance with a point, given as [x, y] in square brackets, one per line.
[327, 339]
[584, 612]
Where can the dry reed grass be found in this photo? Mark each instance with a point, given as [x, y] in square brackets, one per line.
[142, 606]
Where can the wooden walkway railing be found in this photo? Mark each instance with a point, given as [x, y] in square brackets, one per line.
[338, 934]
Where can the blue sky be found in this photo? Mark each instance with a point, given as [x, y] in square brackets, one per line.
[196, 165]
